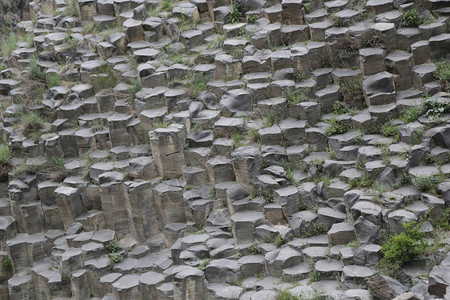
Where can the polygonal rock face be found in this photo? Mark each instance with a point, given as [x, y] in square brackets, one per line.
[223, 149]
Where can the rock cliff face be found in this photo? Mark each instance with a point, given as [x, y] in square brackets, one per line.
[12, 12]
[217, 149]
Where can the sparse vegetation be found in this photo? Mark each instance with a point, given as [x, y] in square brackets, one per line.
[35, 71]
[412, 18]
[401, 248]
[7, 263]
[53, 80]
[5, 155]
[31, 123]
[295, 96]
[8, 44]
[434, 109]
[352, 93]
[279, 241]
[337, 126]
[114, 258]
[391, 130]
[236, 14]
[442, 73]
[112, 247]
[411, 114]
[371, 38]
[254, 249]
[194, 84]
[203, 264]
[105, 78]
[426, 183]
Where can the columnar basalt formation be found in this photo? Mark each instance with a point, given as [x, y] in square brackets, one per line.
[229, 149]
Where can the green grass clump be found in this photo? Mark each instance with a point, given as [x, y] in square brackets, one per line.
[402, 248]
[411, 18]
[254, 249]
[31, 122]
[8, 44]
[371, 38]
[411, 114]
[236, 14]
[295, 96]
[426, 183]
[53, 80]
[442, 72]
[435, 109]
[195, 84]
[390, 130]
[286, 295]
[112, 247]
[5, 154]
[203, 264]
[337, 126]
[35, 71]
[7, 263]
[279, 241]
[114, 258]
[352, 93]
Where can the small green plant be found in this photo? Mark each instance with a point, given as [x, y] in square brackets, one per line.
[279, 241]
[443, 223]
[353, 244]
[337, 126]
[362, 181]
[352, 93]
[236, 14]
[401, 248]
[261, 275]
[203, 264]
[114, 258]
[411, 114]
[96, 125]
[53, 80]
[254, 249]
[253, 135]
[69, 293]
[295, 96]
[331, 153]
[105, 78]
[252, 19]
[135, 86]
[31, 123]
[371, 38]
[238, 255]
[388, 129]
[286, 295]
[71, 9]
[238, 140]
[162, 124]
[411, 18]
[426, 183]
[5, 155]
[112, 247]
[201, 231]
[338, 108]
[7, 263]
[195, 84]
[271, 119]
[314, 276]
[35, 71]
[1, 67]
[289, 174]
[8, 44]
[442, 73]
[435, 109]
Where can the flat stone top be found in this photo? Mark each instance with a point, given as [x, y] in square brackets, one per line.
[339, 227]
[358, 271]
[110, 278]
[247, 216]
[126, 282]
[66, 191]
